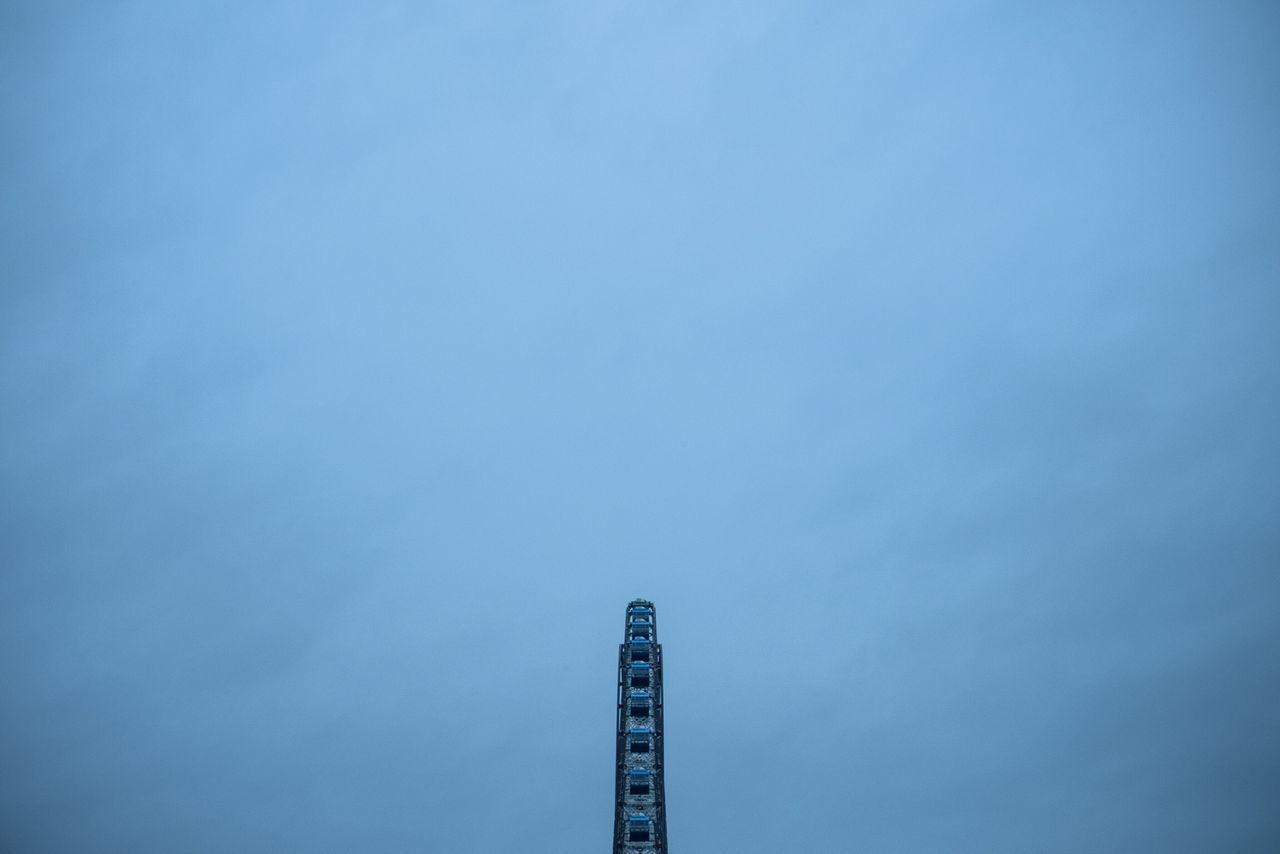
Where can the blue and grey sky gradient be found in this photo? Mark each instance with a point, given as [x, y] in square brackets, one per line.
[360, 361]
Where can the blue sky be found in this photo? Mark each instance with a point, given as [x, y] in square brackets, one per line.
[360, 363]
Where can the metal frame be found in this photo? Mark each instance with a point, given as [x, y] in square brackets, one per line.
[653, 805]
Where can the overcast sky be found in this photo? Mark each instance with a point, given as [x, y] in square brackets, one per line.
[360, 361]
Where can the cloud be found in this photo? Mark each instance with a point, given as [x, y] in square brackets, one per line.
[363, 364]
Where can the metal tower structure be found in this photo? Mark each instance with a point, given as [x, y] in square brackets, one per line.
[640, 802]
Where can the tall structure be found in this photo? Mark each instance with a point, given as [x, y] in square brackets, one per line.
[640, 808]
